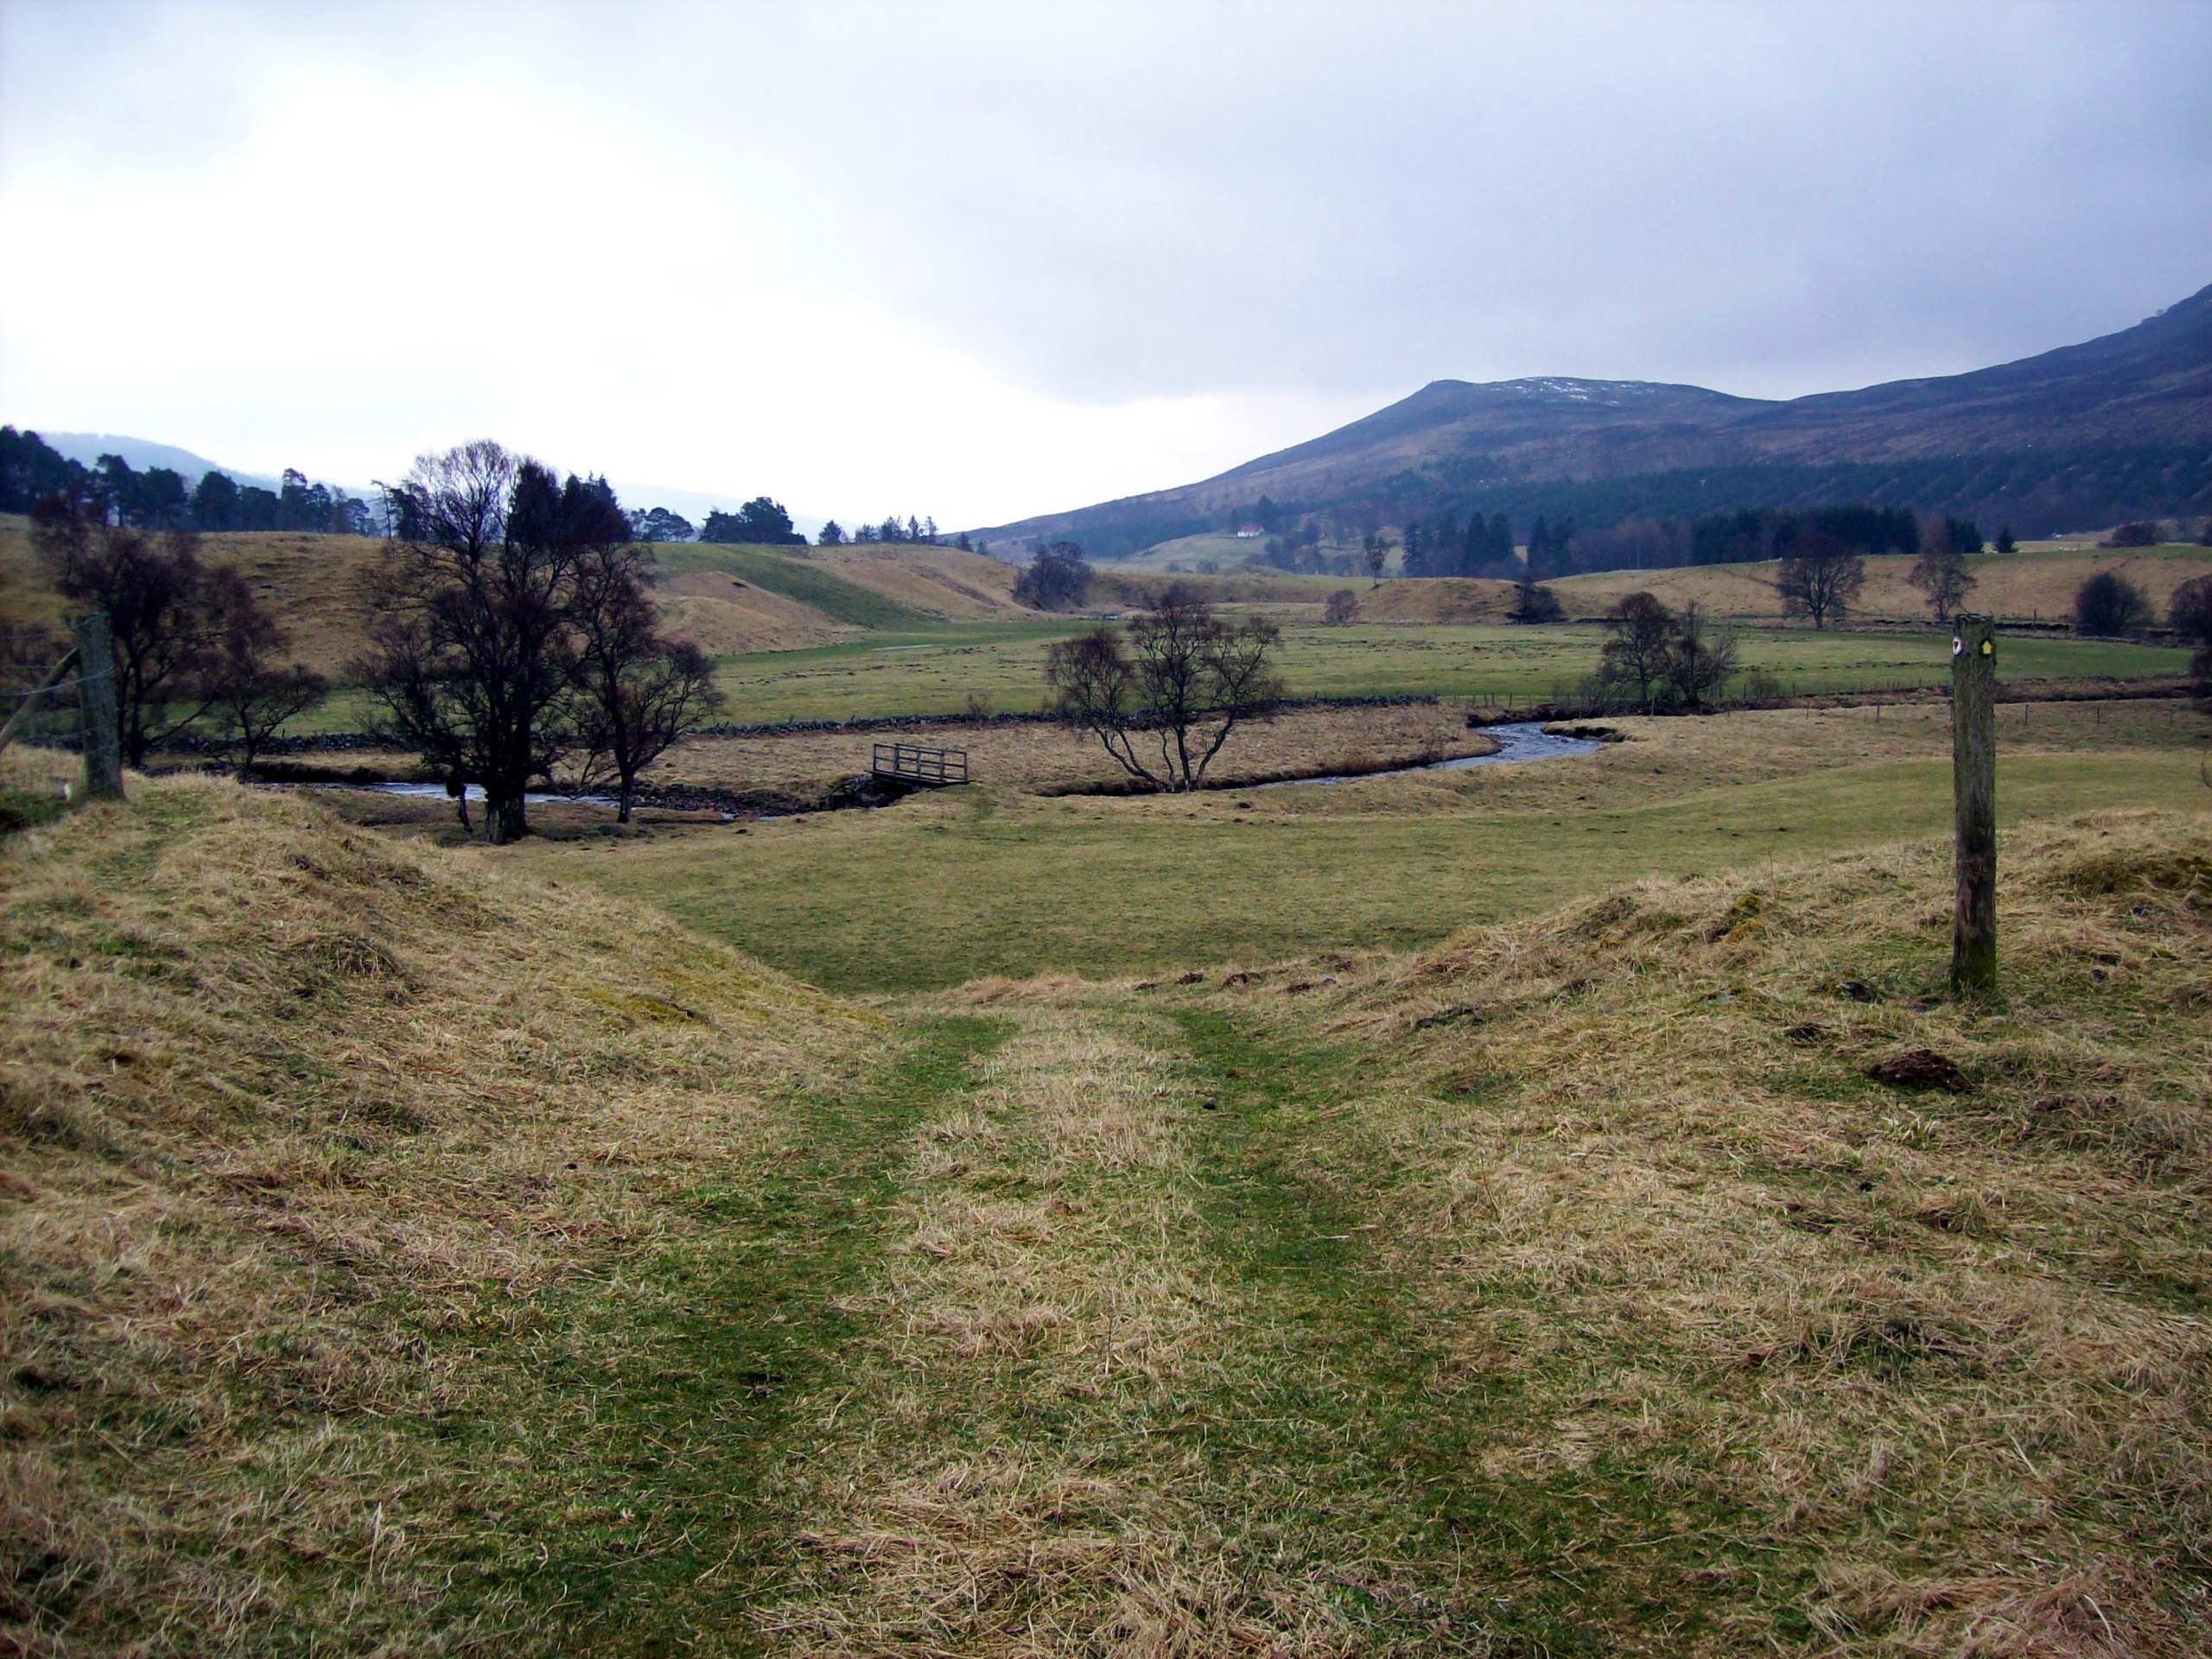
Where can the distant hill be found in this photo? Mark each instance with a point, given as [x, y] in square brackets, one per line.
[2116, 427]
[87, 447]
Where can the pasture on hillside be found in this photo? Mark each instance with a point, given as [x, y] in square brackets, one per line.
[862, 633]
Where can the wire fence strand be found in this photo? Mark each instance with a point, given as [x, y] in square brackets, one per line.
[69, 684]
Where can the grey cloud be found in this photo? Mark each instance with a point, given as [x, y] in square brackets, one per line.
[1119, 201]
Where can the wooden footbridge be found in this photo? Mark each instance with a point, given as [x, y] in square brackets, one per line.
[919, 764]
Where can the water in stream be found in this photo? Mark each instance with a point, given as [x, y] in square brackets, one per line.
[1522, 740]
[438, 793]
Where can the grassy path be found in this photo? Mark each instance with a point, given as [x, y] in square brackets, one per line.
[1363, 1426]
[1104, 1325]
[659, 1401]
[1134, 1377]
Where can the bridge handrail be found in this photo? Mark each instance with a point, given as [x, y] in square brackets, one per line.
[920, 763]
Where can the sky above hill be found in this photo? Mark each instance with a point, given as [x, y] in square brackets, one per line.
[982, 261]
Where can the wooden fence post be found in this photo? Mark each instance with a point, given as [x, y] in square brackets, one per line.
[1973, 796]
[97, 732]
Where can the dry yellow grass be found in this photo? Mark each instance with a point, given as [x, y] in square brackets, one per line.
[941, 580]
[724, 616]
[294, 1121]
[393, 1248]
[1117, 586]
[1945, 1356]
[1441, 599]
[320, 587]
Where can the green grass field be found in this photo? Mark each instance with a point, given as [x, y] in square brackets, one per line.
[924, 665]
[934, 671]
[945, 888]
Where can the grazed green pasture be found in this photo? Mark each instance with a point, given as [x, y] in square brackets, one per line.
[934, 671]
[993, 881]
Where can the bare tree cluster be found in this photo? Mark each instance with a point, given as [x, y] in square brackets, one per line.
[517, 632]
[636, 692]
[1654, 658]
[194, 651]
[1164, 695]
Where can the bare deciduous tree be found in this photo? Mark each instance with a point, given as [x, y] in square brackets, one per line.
[1342, 609]
[520, 630]
[157, 598]
[1638, 656]
[250, 687]
[638, 692]
[1185, 681]
[473, 664]
[1821, 577]
[1941, 573]
[1701, 657]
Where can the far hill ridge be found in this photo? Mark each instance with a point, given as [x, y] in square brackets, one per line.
[2114, 428]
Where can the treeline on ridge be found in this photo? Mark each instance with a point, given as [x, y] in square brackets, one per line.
[159, 499]
[1485, 546]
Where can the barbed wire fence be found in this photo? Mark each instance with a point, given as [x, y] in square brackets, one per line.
[74, 699]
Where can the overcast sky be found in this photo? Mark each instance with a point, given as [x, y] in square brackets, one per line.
[982, 261]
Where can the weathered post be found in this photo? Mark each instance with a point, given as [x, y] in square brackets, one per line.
[98, 734]
[1973, 796]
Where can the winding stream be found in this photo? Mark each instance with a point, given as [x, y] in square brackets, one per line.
[1522, 740]
[438, 793]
